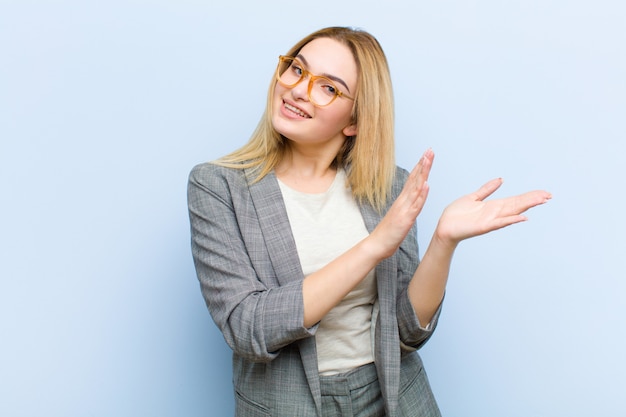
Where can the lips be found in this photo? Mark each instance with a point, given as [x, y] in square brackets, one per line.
[296, 110]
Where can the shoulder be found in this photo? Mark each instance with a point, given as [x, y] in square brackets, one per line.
[212, 170]
[401, 175]
[231, 182]
[214, 176]
[218, 182]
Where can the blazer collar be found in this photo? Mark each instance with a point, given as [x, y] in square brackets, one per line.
[272, 214]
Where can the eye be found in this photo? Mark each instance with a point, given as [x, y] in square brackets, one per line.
[326, 86]
[331, 89]
[297, 69]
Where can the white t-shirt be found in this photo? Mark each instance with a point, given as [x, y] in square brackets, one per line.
[325, 226]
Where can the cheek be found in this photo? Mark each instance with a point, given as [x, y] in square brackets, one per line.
[276, 100]
[342, 117]
[279, 90]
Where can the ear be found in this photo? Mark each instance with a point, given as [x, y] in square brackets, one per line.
[350, 130]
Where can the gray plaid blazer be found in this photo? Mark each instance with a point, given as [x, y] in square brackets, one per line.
[251, 279]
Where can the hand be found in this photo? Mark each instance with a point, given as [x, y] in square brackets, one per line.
[401, 216]
[471, 215]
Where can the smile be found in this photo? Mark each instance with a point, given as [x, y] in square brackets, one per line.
[296, 110]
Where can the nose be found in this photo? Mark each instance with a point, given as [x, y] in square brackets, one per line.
[300, 91]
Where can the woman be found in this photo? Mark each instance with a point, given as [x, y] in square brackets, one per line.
[304, 242]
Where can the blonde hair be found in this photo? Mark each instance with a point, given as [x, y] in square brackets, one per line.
[368, 157]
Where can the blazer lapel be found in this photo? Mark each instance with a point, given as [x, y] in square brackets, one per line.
[281, 247]
[387, 339]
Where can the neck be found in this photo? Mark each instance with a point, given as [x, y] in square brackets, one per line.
[309, 161]
[310, 172]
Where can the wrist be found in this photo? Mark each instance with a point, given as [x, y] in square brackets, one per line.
[444, 240]
[374, 249]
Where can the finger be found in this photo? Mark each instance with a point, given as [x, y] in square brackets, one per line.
[520, 203]
[421, 171]
[419, 202]
[427, 163]
[502, 222]
[429, 155]
[487, 189]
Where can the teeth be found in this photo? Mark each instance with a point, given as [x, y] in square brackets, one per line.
[296, 110]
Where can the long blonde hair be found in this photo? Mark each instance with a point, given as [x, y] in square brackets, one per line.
[367, 157]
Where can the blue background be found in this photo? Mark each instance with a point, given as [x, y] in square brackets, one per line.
[106, 106]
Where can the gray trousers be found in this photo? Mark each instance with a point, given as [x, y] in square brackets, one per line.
[357, 393]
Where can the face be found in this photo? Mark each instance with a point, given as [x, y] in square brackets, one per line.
[297, 118]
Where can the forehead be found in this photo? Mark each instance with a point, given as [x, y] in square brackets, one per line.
[326, 56]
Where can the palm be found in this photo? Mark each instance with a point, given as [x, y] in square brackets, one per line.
[394, 227]
[471, 215]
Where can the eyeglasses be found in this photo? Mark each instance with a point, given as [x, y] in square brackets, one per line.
[321, 91]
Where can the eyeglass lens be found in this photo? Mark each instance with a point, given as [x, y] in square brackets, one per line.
[321, 92]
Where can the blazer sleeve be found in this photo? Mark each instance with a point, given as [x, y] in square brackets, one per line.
[412, 334]
[256, 315]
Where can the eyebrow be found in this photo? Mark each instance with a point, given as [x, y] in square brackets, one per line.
[332, 77]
